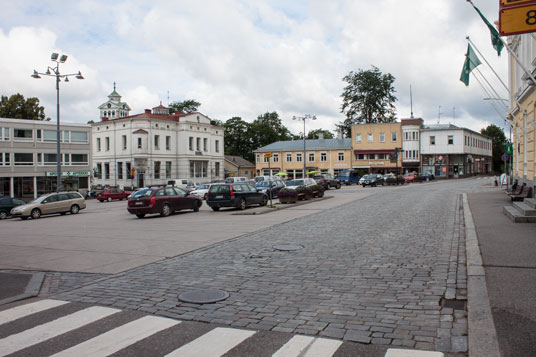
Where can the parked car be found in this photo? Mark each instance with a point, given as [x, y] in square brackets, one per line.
[262, 178]
[201, 190]
[61, 202]
[292, 184]
[182, 183]
[427, 176]
[327, 180]
[163, 201]
[409, 177]
[371, 180]
[112, 194]
[234, 179]
[270, 187]
[7, 204]
[239, 195]
[348, 177]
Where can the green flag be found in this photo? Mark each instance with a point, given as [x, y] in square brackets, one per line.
[471, 62]
[495, 38]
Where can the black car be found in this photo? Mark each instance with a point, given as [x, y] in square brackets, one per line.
[327, 180]
[372, 180]
[7, 203]
[426, 176]
[270, 187]
[239, 195]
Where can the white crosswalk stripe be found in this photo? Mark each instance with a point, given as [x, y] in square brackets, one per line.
[119, 338]
[28, 309]
[308, 346]
[393, 352]
[54, 328]
[214, 343]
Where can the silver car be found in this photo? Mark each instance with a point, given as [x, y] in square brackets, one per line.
[57, 202]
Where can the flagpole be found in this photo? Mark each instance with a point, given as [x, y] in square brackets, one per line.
[501, 115]
[484, 58]
[491, 87]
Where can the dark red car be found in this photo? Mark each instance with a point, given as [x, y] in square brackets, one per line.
[163, 201]
[112, 194]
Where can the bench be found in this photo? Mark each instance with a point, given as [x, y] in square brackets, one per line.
[525, 193]
[516, 191]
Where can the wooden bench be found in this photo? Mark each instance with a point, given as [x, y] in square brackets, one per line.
[525, 193]
[516, 191]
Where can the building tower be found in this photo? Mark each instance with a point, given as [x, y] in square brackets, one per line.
[114, 108]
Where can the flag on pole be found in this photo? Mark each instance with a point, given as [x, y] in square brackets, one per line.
[495, 38]
[471, 62]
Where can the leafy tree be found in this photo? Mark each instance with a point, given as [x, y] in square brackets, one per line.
[216, 122]
[368, 98]
[16, 107]
[186, 106]
[499, 140]
[313, 134]
[267, 129]
[236, 138]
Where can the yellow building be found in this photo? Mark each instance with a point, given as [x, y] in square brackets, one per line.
[375, 145]
[523, 91]
[323, 155]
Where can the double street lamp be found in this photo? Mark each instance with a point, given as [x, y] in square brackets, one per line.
[55, 72]
[304, 118]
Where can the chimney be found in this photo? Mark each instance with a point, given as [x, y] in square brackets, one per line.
[147, 111]
[340, 135]
[320, 136]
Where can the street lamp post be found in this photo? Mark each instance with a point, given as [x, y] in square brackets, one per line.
[305, 117]
[56, 73]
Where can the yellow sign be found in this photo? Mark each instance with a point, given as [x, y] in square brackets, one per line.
[517, 20]
[505, 3]
[267, 154]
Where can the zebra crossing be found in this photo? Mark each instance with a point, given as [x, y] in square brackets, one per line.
[62, 329]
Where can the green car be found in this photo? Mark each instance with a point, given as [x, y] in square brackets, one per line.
[7, 203]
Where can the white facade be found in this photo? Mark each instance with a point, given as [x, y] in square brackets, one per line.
[411, 143]
[159, 147]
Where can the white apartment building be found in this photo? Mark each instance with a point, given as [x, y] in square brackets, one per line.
[411, 144]
[450, 151]
[28, 157]
[155, 146]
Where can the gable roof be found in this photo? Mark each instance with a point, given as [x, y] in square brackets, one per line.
[238, 161]
[317, 144]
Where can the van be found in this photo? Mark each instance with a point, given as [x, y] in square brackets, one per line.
[184, 183]
[235, 179]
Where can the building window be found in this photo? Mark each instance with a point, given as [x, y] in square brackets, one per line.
[381, 156]
[98, 144]
[432, 140]
[157, 142]
[23, 159]
[79, 137]
[299, 157]
[5, 132]
[198, 168]
[266, 158]
[451, 139]
[323, 156]
[98, 174]
[258, 158]
[340, 156]
[216, 168]
[128, 170]
[311, 156]
[372, 156]
[360, 156]
[217, 148]
[124, 142]
[289, 157]
[139, 143]
[168, 142]
[157, 170]
[198, 144]
[357, 138]
[79, 159]
[168, 169]
[191, 143]
[23, 134]
[119, 170]
[370, 137]
[106, 170]
[394, 137]
[107, 143]
[276, 158]
[205, 144]
[382, 137]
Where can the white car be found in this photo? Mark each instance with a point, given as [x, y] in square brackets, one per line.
[201, 190]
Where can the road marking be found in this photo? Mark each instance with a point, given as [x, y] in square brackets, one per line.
[120, 337]
[308, 346]
[54, 328]
[28, 309]
[214, 343]
[393, 352]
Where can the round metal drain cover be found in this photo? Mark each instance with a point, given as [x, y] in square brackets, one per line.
[204, 296]
[288, 247]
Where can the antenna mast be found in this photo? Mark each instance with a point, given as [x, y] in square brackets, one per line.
[439, 115]
[411, 101]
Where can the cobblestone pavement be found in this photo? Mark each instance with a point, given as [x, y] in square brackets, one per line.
[388, 269]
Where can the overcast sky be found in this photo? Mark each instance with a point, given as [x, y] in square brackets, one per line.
[247, 57]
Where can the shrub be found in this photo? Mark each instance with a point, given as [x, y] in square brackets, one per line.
[304, 189]
[318, 188]
[287, 192]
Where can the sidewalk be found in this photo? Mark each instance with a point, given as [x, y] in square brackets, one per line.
[509, 259]
[17, 285]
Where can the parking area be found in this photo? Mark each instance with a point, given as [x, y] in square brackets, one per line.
[105, 238]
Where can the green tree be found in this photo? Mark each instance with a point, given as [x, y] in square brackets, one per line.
[367, 98]
[499, 140]
[267, 129]
[186, 106]
[313, 134]
[237, 138]
[16, 107]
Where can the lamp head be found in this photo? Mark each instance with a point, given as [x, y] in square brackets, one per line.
[79, 75]
[66, 79]
[35, 75]
[54, 56]
[63, 58]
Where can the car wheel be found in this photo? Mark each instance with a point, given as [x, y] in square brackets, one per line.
[140, 215]
[215, 208]
[75, 209]
[264, 201]
[101, 200]
[338, 186]
[36, 213]
[242, 204]
[197, 204]
[109, 199]
[3, 215]
[166, 211]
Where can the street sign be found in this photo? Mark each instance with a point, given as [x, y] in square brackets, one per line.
[267, 154]
[508, 149]
[517, 20]
[504, 157]
[509, 3]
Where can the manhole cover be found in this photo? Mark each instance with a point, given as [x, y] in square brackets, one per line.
[287, 247]
[203, 296]
[453, 304]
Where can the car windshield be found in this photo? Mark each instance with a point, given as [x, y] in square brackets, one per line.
[40, 199]
[264, 184]
[369, 176]
[203, 187]
[295, 183]
[143, 193]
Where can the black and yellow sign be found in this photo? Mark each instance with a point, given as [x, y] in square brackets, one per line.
[507, 3]
[267, 154]
[517, 20]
